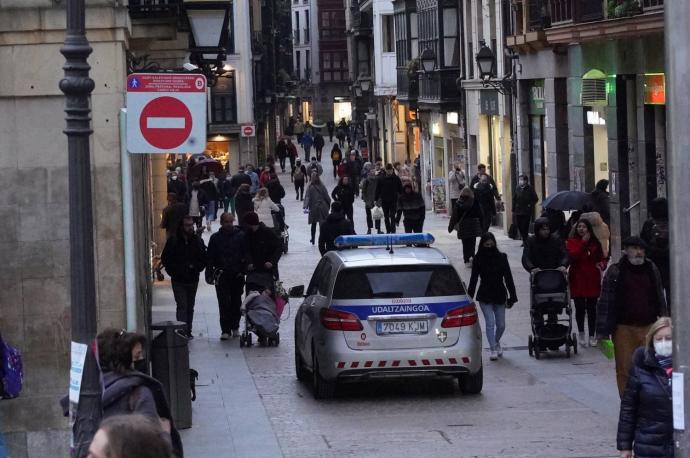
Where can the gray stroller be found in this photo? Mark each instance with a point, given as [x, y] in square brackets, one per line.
[261, 317]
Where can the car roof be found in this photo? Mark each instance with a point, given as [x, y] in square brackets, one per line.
[381, 256]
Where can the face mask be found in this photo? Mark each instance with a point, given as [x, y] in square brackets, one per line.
[663, 347]
[141, 366]
[173, 178]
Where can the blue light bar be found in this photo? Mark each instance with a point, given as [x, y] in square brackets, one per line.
[349, 241]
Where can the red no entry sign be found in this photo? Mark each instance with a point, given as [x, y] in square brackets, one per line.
[248, 130]
[165, 122]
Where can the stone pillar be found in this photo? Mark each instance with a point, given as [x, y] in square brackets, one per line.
[159, 183]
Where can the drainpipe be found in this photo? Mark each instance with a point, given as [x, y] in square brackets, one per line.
[128, 226]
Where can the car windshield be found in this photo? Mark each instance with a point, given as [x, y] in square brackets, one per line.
[397, 282]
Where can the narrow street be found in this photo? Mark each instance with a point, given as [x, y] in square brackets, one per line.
[250, 404]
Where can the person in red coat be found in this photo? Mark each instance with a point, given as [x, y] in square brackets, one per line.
[586, 264]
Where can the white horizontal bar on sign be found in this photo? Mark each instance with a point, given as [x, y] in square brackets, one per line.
[165, 123]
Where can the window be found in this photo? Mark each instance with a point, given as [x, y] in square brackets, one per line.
[363, 53]
[320, 280]
[298, 65]
[428, 29]
[414, 36]
[332, 24]
[306, 27]
[334, 66]
[307, 64]
[401, 51]
[387, 31]
[451, 51]
[223, 101]
[397, 282]
[296, 26]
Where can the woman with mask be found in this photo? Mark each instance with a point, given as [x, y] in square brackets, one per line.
[645, 425]
[496, 290]
[524, 201]
[466, 220]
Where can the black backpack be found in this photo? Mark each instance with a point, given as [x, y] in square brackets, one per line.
[659, 239]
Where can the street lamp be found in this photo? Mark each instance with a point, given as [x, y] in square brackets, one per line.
[357, 88]
[208, 21]
[428, 59]
[486, 61]
[364, 83]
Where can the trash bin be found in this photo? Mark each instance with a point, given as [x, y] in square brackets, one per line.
[170, 366]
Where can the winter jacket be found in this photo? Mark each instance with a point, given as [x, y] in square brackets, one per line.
[388, 188]
[239, 179]
[314, 167]
[353, 169]
[281, 150]
[335, 225]
[303, 170]
[172, 217]
[584, 273]
[655, 233]
[200, 196]
[485, 194]
[345, 194]
[227, 251]
[275, 190]
[265, 209]
[369, 185]
[264, 246]
[456, 182]
[184, 257]
[601, 203]
[494, 188]
[336, 154]
[600, 229]
[243, 205]
[226, 189]
[318, 202]
[466, 219]
[254, 186]
[610, 306]
[307, 141]
[178, 188]
[318, 141]
[292, 150]
[645, 424]
[492, 269]
[540, 253]
[411, 206]
[524, 200]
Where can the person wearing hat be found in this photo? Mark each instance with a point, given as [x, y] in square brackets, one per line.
[544, 250]
[264, 248]
[631, 300]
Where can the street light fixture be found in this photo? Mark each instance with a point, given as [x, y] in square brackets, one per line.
[357, 88]
[364, 82]
[486, 61]
[428, 59]
[208, 21]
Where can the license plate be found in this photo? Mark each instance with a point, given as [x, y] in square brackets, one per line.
[402, 327]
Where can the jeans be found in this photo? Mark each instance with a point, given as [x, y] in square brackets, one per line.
[468, 245]
[413, 225]
[522, 222]
[307, 151]
[229, 294]
[210, 211]
[495, 320]
[588, 306]
[299, 190]
[281, 161]
[185, 295]
[389, 216]
[318, 154]
[370, 221]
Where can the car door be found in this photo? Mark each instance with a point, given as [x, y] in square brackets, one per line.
[309, 310]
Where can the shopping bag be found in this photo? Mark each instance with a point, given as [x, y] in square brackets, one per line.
[377, 213]
[606, 347]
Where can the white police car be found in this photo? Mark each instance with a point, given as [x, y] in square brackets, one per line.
[391, 306]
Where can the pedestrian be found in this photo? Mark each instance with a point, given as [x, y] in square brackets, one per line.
[481, 170]
[496, 290]
[340, 135]
[196, 204]
[336, 157]
[354, 170]
[599, 229]
[456, 183]
[318, 145]
[210, 188]
[587, 262]
[600, 202]
[485, 193]
[184, 258]
[369, 197]
[299, 130]
[281, 153]
[342, 168]
[265, 176]
[316, 202]
[645, 424]
[275, 190]
[264, 207]
[544, 250]
[335, 225]
[265, 249]
[240, 178]
[314, 167]
[177, 187]
[655, 232]
[292, 155]
[405, 173]
[330, 125]
[243, 202]
[227, 256]
[417, 174]
[466, 221]
[299, 174]
[388, 189]
[344, 193]
[127, 436]
[307, 143]
[411, 206]
[254, 177]
[632, 298]
[524, 202]
[172, 216]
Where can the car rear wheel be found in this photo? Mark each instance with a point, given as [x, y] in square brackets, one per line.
[472, 383]
[302, 373]
[323, 389]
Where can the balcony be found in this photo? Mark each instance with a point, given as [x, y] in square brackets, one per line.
[407, 87]
[362, 24]
[144, 9]
[439, 92]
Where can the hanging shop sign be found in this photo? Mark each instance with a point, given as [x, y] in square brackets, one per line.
[655, 89]
[488, 100]
[536, 98]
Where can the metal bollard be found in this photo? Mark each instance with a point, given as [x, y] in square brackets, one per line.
[170, 366]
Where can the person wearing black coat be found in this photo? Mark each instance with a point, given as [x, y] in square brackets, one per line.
[544, 250]
[388, 188]
[411, 206]
[318, 145]
[645, 424]
[466, 220]
[177, 186]
[524, 201]
[275, 190]
[282, 154]
[184, 258]
[334, 226]
[485, 193]
[655, 232]
[491, 267]
[600, 200]
[344, 193]
[264, 248]
[243, 203]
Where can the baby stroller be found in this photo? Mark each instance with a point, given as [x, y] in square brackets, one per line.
[550, 296]
[281, 227]
[262, 309]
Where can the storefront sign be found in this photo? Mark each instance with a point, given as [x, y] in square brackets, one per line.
[655, 89]
[488, 101]
[536, 98]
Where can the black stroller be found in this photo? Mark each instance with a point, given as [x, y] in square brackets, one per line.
[550, 296]
[261, 311]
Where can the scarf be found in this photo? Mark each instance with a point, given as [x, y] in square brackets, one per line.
[666, 363]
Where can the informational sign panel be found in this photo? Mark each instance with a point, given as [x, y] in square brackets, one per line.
[166, 113]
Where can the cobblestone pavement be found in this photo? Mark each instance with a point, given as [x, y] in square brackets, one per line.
[251, 405]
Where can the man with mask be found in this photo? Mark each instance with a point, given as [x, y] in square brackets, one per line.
[632, 298]
[227, 256]
[543, 250]
[456, 183]
[486, 193]
[176, 186]
[524, 201]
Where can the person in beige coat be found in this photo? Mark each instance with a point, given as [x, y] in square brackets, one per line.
[265, 207]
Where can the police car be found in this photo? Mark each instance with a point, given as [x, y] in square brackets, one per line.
[386, 306]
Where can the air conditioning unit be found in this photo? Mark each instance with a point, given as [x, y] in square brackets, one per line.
[594, 89]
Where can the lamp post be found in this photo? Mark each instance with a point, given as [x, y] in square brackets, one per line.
[428, 59]
[77, 87]
[208, 22]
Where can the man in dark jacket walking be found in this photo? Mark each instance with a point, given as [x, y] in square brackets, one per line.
[388, 188]
[543, 250]
[524, 201]
[411, 206]
[184, 258]
[632, 298]
[600, 200]
[485, 192]
[227, 256]
[334, 226]
[265, 249]
[655, 232]
[177, 186]
[318, 145]
[172, 216]
[275, 190]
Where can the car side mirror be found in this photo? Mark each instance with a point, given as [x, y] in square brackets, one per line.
[296, 291]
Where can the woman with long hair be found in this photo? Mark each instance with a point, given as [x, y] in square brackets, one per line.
[466, 221]
[496, 290]
[265, 207]
[586, 263]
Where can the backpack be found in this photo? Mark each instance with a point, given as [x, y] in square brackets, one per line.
[313, 169]
[298, 176]
[11, 374]
[659, 236]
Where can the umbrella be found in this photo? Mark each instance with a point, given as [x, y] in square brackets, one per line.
[566, 200]
[196, 172]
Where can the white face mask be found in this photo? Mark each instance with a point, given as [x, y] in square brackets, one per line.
[663, 347]
[174, 177]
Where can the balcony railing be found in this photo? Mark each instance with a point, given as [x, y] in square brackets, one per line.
[440, 88]
[407, 88]
[652, 4]
[563, 11]
[154, 8]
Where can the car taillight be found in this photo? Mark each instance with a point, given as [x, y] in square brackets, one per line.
[337, 320]
[461, 316]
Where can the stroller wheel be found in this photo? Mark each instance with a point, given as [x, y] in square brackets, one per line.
[530, 346]
[574, 343]
[249, 339]
[536, 348]
[276, 339]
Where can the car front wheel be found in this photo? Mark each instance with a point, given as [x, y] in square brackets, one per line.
[472, 383]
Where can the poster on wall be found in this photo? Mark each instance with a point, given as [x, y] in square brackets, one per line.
[438, 194]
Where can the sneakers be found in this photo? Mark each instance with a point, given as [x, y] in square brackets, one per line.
[593, 341]
[494, 355]
[581, 339]
[499, 350]
[224, 336]
[235, 333]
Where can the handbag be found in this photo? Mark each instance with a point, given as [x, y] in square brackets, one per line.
[377, 213]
